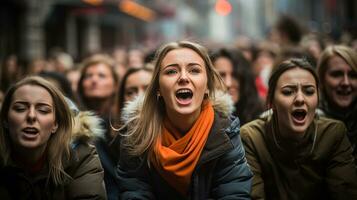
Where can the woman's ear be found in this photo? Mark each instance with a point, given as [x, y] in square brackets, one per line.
[54, 129]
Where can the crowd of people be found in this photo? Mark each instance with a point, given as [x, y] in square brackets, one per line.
[269, 120]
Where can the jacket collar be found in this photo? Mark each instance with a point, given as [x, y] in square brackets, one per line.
[218, 141]
[222, 103]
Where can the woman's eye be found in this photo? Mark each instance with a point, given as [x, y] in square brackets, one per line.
[101, 75]
[310, 91]
[195, 71]
[131, 92]
[44, 110]
[170, 71]
[19, 108]
[287, 92]
[352, 75]
[336, 74]
[223, 74]
[87, 76]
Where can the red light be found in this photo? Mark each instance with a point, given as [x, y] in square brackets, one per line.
[223, 7]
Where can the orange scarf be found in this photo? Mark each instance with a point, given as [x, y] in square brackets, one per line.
[176, 156]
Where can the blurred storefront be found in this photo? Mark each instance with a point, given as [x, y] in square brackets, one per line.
[32, 28]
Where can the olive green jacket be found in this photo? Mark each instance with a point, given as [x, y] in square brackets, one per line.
[320, 166]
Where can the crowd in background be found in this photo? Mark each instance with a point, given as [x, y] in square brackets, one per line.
[104, 83]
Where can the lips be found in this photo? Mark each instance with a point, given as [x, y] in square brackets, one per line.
[299, 116]
[30, 130]
[184, 96]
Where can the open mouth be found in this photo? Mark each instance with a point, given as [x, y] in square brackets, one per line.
[31, 131]
[184, 95]
[299, 115]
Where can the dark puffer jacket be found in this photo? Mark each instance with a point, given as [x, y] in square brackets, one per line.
[221, 173]
[85, 172]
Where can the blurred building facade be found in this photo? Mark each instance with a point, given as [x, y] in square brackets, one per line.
[32, 28]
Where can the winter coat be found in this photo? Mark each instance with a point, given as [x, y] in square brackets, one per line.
[349, 118]
[320, 166]
[221, 173]
[85, 173]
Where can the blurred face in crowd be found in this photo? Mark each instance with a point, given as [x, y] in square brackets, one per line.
[31, 118]
[225, 68]
[98, 82]
[136, 84]
[340, 82]
[73, 77]
[135, 58]
[183, 83]
[295, 101]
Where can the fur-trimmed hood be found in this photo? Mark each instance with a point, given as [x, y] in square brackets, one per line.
[86, 125]
[222, 103]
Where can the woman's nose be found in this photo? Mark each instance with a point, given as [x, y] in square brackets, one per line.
[346, 80]
[183, 77]
[31, 116]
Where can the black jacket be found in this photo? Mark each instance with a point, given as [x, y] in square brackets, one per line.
[221, 173]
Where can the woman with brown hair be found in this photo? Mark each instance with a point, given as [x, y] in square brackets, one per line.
[179, 140]
[293, 153]
[96, 88]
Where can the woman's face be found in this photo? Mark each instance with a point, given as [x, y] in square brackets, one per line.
[225, 69]
[340, 82]
[295, 101]
[98, 82]
[183, 82]
[136, 84]
[31, 117]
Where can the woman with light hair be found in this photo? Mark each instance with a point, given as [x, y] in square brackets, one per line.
[337, 70]
[179, 140]
[41, 154]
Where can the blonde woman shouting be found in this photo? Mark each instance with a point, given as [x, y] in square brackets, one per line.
[179, 141]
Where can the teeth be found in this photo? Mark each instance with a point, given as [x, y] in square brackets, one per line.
[183, 91]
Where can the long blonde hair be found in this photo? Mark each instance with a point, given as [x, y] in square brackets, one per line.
[58, 146]
[142, 130]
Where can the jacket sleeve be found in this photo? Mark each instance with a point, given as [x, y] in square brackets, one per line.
[341, 170]
[133, 176]
[232, 177]
[87, 175]
[258, 182]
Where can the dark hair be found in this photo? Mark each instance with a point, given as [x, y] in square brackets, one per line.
[283, 67]
[121, 93]
[61, 81]
[290, 27]
[249, 105]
